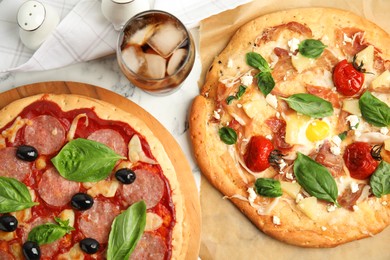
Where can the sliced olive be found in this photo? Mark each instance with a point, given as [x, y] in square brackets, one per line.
[125, 175]
[81, 201]
[27, 153]
[89, 245]
[8, 223]
[31, 251]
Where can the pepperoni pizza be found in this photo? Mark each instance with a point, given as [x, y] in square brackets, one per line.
[292, 125]
[82, 179]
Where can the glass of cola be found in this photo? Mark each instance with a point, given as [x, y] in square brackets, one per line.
[155, 52]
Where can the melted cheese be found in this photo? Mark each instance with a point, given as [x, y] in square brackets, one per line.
[104, 187]
[302, 63]
[67, 214]
[153, 221]
[136, 153]
[309, 207]
[7, 236]
[40, 163]
[73, 126]
[382, 81]
[10, 133]
[16, 250]
[74, 253]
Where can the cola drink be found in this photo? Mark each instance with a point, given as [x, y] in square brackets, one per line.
[155, 52]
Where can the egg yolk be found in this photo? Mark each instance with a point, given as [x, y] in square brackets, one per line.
[317, 131]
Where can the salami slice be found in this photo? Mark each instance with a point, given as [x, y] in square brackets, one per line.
[96, 222]
[149, 247]
[147, 186]
[11, 166]
[111, 138]
[45, 133]
[56, 190]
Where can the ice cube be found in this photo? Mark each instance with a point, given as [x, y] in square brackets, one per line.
[141, 36]
[166, 38]
[134, 58]
[155, 66]
[176, 60]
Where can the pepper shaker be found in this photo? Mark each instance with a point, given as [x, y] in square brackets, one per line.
[36, 22]
[118, 12]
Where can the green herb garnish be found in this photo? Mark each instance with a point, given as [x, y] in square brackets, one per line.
[268, 187]
[315, 179]
[227, 135]
[311, 48]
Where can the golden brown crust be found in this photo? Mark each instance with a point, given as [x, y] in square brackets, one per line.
[330, 228]
[107, 111]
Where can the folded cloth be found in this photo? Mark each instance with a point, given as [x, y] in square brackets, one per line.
[83, 33]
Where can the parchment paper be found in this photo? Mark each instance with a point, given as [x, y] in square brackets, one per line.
[226, 232]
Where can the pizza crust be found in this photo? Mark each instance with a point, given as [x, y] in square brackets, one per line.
[331, 228]
[107, 111]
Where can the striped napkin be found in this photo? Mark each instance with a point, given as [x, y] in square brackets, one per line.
[83, 33]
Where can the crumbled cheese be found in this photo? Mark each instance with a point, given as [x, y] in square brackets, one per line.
[230, 63]
[277, 115]
[246, 80]
[216, 115]
[323, 228]
[353, 121]
[355, 208]
[293, 44]
[290, 176]
[239, 105]
[272, 100]
[384, 130]
[330, 207]
[336, 140]
[346, 39]
[357, 133]
[335, 150]
[354, 187]
[298, 198]
[269, 137]
[282, 164]
[276, 220]
[252, 195]
[384, 203]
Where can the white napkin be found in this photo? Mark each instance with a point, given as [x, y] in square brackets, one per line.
[83, 33]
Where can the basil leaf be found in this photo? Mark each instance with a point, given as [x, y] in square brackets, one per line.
[380, 180]
[310, 105]
[265, 82]
[14, 195]
[85, 160]
[268, 187]
[227, 135]
[315, 179]
[126, 230]
[230, 99]
[311, 48]
[239, 94]
[343, 135]
[49, 232]
[256, 61]
[374, 111]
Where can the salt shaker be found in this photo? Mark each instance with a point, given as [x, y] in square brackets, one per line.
[118, 12]
[36, 22]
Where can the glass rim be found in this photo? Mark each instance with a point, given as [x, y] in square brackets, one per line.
[121, 38]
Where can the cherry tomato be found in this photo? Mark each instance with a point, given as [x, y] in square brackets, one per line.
[258, 152]
[358, 159]
[347, 79]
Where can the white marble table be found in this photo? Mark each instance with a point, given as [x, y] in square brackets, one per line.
[172, 110]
